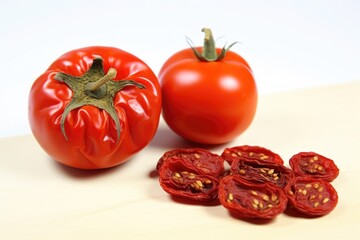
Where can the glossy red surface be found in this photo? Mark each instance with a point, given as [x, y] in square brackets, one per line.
[208, 102]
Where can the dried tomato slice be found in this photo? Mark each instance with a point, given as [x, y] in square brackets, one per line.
[261, 172]
[205, 161]
[251, 200]
[310, 196]
[314, 165]
[181, 179]
[251, 153]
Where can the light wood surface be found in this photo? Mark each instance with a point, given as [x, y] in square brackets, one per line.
[40, 199]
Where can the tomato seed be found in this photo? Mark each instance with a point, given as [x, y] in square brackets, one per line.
[265, 197]
[199, 183]
[208, 181]
[230, 197]
[274, 198]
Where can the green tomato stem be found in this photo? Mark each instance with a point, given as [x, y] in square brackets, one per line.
[209, 53]
[209, 49]
[95, 89]
[93, 86]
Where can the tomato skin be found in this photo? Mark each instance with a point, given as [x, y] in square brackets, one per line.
[92, 135]
[208, 102]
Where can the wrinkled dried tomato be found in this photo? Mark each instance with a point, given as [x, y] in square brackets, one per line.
[251, 153]
[310, 196]
[261, 172]
[181, 179]
[251, 200]
[205, 161]
[314, 165]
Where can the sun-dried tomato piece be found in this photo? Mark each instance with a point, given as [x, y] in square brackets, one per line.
[251, 200]
[314, 165]
[181, 179]
[261, 172]
[251, 153]
[205, 161]
[310, 196]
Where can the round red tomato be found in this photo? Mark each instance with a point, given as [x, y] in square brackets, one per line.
[95, 107]
[208, 97]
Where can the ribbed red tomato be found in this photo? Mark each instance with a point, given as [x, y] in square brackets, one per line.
[95, 107]
[208, 97]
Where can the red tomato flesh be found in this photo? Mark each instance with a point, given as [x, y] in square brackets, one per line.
[310, 196]
[251, 200]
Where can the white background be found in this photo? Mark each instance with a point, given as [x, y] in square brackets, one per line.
[289, 44]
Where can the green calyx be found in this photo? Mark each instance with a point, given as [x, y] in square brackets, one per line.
[96, 89]
[209, 53]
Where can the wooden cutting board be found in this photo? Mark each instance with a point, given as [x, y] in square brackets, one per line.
[41, 199]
